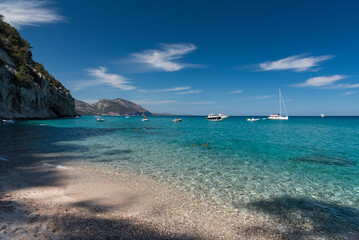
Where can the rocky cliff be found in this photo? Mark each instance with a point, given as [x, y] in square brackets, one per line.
[111, 107]
[27, 90]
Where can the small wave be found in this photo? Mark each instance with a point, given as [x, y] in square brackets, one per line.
[52, 165]
[3, 159]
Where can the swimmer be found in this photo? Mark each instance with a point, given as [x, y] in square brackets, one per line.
[207, 144]
[144, 128]
[135, 129]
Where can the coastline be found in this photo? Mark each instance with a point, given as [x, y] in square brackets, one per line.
[56, 202]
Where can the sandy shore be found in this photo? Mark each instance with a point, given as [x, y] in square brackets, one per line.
[45, 201]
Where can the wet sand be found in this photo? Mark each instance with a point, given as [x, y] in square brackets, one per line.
[45, 201]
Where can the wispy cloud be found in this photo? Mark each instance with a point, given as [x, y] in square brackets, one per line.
[349, 93]
[199, 103]
[345, 86]
[166, 58]
[236, 91]
[190, 92]
[166, 89]
[152, 102]
[28, 13]
[102, 77]
[262, 97]
[297, 63]
[321, 81]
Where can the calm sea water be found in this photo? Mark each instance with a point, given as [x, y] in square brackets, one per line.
[311, 161]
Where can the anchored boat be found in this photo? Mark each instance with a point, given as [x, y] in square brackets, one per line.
[279, 116]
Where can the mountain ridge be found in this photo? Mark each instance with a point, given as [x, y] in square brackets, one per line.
[112, 107]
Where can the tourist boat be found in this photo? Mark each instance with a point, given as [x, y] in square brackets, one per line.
[223, 116]
[322, 115]
[177, 120]
[252, 119]
[144, 119]
[100, 119]
[279, 116]
[212, 117]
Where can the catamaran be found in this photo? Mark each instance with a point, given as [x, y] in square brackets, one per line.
[279, 116]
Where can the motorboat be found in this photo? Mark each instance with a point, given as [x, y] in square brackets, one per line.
[127, 116]
[100, 119]
[322, 115]
[264, 118]
[8, 121]
[212, 117]
[144, 119]
[279, 116]
[177, 120]
[252, 119]
[223, 116]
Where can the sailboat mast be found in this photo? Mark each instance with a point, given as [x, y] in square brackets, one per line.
[280, 103]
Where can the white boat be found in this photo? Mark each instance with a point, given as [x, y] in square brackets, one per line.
[252, 119]
[279, 116]
[127, 116]
[100, 119]
[177, 120]
[144, 119]
[223, 116]
[322, 115]
[8, 121]
[213, 117]
[264, 118]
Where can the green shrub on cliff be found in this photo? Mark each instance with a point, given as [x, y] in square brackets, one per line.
[19, 50]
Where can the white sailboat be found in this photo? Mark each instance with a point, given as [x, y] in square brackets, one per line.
[279, 116]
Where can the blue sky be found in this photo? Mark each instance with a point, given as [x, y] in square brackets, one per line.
[199, 57]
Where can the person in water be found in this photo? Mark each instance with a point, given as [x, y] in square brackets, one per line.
[207, 144]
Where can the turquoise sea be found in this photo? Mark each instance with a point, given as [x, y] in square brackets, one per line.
[306, 165]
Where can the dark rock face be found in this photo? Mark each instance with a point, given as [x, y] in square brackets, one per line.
[111, 107]
[38, 100]
[27, 90]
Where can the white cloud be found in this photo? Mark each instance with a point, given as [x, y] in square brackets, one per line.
[28, 13]
[190, 92]
[297, 63]
[236, 91]
[165, 58]
[349, 93]
[103, 78]
[344, 86]
[321, 81]
[152, 102]
[167, 89]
